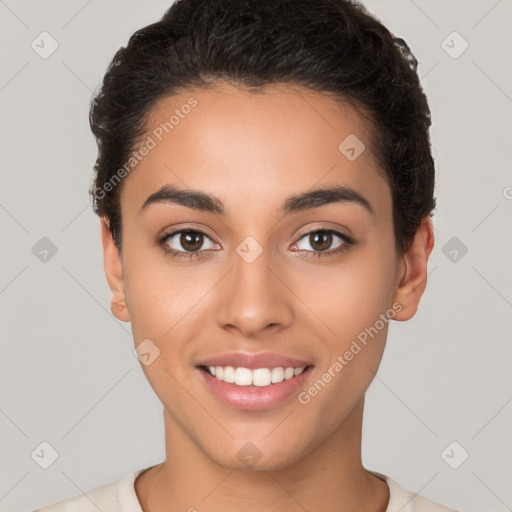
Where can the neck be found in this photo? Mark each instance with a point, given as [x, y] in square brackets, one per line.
[330, 477]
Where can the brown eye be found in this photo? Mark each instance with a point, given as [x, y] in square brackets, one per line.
[321, 240]
[323, 243]
[185, 241]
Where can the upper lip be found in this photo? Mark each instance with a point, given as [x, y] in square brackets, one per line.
[253, 361]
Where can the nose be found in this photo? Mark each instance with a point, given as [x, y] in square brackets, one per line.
[255, 298]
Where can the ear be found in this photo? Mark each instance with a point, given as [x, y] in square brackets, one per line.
[114, 272]
[413, 272]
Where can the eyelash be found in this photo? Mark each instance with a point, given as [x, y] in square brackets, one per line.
[347, 243]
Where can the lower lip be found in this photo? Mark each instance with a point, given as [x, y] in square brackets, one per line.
[254, 398]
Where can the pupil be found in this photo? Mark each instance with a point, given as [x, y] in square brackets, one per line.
[191, 241]
[319, 238]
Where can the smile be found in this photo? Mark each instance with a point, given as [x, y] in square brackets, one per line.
[254, 389]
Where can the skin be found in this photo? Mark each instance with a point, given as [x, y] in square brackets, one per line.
[253, 151]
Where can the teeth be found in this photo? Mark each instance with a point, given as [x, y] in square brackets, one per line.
[229, 374]
[277, 375]
[259, 377]
[243, 377]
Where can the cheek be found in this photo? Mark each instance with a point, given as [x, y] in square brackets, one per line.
[349, 297]
[350, 302]
[167, 302]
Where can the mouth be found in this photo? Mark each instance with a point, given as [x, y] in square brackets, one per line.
[254, 389]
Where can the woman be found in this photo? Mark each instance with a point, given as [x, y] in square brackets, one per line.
[264, 184]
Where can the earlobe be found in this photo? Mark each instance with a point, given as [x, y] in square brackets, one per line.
[413, 279]
[114, 272]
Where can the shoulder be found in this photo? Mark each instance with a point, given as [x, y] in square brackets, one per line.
[401, 500]
[118, 496]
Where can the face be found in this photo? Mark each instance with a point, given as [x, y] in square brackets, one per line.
[261, 263]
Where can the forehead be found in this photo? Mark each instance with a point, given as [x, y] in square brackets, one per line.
[254, 148]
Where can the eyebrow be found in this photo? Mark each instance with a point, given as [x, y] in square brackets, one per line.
[203, 201]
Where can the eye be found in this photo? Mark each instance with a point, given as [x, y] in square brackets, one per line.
[320, 242]
[189, 243]
[186, 243]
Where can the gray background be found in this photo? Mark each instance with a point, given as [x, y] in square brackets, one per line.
[68, 374]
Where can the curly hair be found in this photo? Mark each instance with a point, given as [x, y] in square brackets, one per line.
[330, 46]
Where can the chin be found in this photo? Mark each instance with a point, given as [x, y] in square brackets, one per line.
[250, 458]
